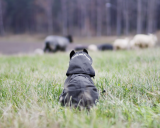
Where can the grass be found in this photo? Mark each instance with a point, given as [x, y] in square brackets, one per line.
[30, 87]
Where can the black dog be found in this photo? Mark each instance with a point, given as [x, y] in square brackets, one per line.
[79, 89]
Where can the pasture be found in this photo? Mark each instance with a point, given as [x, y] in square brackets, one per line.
[30, 86]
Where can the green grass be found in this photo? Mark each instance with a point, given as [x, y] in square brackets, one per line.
[30, 87]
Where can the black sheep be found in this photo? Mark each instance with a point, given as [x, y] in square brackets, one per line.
[57, 43]
[103, 47]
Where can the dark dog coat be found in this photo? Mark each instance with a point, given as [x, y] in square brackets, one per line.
[79, 89]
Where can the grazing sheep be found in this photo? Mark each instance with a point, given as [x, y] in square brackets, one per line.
[121, 44]
[55, 43]
[103, 47]
[92, 47]
[38, 51]
[144, 41]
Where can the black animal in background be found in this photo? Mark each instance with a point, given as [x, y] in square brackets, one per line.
[79, 89]
[103, 47]
[57, 43]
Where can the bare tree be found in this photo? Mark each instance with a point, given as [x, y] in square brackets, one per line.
[64, 16]
[151, 15]
[99, 17]
[119, 10]
[70, 9]
[139, 16]
[1, 20]
[49, 16]
[108, 6]
[86, 18]
[81, 17]
[126, 16]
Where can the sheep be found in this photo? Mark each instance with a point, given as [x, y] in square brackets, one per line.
[38, 51]
[103, 47]
[92, 47]
[144, 41]
[123, 44]
[55, 43]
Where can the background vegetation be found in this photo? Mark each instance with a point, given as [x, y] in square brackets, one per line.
[79, 17]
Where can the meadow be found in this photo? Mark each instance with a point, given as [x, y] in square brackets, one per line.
[30, 86]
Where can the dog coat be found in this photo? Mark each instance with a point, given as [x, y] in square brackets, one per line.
[79, 89]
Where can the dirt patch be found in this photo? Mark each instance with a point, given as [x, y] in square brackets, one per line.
[17, 47]
[9, 48]
[15, 44]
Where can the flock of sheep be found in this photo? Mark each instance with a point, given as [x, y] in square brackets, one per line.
[139, 41]
[59, 43]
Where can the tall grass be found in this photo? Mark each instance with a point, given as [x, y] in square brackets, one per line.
[30, 87]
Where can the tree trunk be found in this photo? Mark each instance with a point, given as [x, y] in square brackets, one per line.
[84, 19]
[119, 9]
[81, 17]
[70, 19]
[85, 23]
[108, 6]
[64, 15]
[79, 13]
[126, 16]
[139, 17]
[49, 16]
[1, 20]
[151, 16]
[99, 18]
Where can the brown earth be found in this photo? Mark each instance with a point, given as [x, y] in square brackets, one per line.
[16, 44]
[17, 47]
[24, 43]
[9, 48]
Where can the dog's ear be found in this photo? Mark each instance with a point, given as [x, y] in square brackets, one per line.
[84, 50]
[72, 53]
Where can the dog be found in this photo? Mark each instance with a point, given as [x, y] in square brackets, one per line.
[79, 89]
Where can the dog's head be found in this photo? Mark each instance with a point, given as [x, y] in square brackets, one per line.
[80, 63]
[80, 54]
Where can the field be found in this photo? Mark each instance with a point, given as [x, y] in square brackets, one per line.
[30, 86]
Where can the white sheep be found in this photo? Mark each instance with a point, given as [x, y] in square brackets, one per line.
[92, 47]
[38, 51]
[144, 41]
[121, 44]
